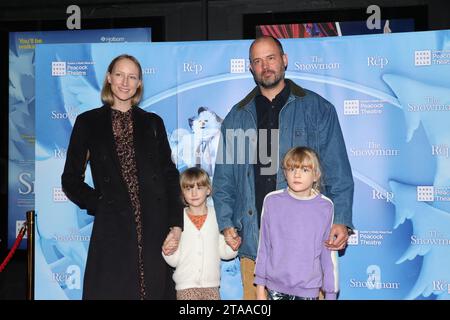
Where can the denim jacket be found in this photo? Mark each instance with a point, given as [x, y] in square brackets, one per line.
[307, 119]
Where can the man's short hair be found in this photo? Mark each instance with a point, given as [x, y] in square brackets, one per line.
[261, 38]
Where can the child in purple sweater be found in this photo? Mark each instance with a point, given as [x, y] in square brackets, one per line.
[293, 262]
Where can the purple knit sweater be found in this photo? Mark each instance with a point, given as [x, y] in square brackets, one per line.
[292, 257]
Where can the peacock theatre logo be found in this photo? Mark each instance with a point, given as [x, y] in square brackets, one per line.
[357, 107]
[238, 66]
[58, 68]
[422, 58]
[70, 68]
[433, 193]
[431, 57]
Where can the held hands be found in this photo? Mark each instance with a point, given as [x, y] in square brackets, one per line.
[338, 237]
[232, 238]
[172, 241]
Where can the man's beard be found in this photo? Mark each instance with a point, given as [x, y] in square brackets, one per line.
[269, 83]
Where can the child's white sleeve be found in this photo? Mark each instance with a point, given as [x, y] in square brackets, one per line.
[174, 258]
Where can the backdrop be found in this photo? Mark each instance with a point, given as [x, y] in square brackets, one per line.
[392, 95]
[22, 104]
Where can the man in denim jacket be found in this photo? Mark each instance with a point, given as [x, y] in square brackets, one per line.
[256, 133]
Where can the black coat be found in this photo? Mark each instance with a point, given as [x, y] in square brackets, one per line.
[112, 263]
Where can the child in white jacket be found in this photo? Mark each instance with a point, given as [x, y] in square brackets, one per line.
[201, 246]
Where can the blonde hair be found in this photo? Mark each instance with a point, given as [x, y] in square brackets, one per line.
[192, 177]
[107, 95]
[299, 157]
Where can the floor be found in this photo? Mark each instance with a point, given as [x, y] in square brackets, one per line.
[13, 279]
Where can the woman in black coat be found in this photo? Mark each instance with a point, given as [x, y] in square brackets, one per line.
[136, 196]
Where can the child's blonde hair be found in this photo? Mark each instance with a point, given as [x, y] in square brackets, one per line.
[299, 157]
[194, 176]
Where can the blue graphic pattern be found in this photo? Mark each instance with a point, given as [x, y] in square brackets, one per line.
[393, 112]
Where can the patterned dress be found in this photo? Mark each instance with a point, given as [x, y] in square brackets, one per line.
[122, 124]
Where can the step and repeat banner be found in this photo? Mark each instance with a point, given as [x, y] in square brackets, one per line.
[22, 103]
[392, 95]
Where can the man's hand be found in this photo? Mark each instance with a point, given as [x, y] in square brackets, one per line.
[172, 241]
[232, 238]
[338, 237]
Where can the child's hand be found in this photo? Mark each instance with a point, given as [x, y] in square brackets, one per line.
[172, 241]
[232, 238]
[261, 293]
[261, 297]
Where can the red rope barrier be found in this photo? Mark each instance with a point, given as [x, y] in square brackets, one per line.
[14, 247]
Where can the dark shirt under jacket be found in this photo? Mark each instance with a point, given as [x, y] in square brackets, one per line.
[267, 113]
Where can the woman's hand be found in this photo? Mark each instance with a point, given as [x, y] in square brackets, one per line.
[172, 241]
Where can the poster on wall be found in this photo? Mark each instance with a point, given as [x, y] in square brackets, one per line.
[392, 97]
[332, 29]
[22, 45]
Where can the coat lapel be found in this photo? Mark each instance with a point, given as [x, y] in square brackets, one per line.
[140, 131]
[108, 137]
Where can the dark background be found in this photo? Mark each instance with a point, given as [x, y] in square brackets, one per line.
[174, 20]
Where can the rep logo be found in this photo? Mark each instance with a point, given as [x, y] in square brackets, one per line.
[192, 67]
[71, 278]
[379, 62]
[382, 195]
[440, 150]
[441, 286]
[59, 153]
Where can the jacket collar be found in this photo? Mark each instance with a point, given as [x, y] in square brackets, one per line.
[106, 129]
[295, 90]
